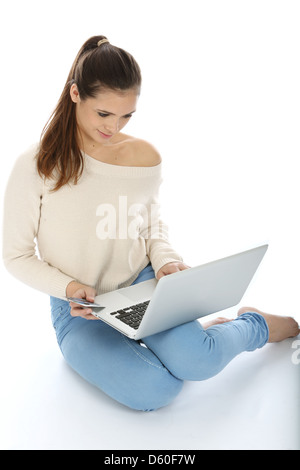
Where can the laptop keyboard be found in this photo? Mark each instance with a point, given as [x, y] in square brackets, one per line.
[132, 315]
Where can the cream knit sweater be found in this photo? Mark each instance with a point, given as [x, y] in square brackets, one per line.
[101, 232]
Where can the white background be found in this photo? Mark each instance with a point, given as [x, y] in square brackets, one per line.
[221, 102]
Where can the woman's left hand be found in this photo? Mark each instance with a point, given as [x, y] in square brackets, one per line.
[171, 268]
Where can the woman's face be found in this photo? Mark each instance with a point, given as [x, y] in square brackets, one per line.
[99, 119]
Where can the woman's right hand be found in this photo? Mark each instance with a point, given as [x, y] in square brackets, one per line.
[81, 291]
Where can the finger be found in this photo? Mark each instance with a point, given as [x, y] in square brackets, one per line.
[183, 266]
[80, 312]
[160, 274]
[86, 314]
[91, 317]
[171, 269]
[73, 305]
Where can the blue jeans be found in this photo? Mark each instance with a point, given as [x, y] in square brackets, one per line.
[148, 375]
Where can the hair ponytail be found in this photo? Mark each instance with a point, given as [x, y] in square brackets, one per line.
[97, 66]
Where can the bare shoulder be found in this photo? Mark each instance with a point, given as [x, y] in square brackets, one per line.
[142, 152]
[147, 154]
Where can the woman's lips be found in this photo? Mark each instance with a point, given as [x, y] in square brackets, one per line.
[105, 136]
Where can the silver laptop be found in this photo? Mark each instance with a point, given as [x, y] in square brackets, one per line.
[153, 306]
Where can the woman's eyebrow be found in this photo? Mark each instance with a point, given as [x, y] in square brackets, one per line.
[112, 114]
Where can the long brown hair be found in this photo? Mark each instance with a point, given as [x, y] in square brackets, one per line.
[94, 69]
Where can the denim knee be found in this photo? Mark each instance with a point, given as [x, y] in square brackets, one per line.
[147, 385]
[158, 392]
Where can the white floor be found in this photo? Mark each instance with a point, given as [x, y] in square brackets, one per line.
[252, 404]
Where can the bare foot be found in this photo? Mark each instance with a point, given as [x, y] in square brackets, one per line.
[280, 328]
[215, 321]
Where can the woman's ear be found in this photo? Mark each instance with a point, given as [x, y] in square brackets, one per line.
[74, 93]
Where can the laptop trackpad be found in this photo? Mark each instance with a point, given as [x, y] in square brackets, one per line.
[139, 292]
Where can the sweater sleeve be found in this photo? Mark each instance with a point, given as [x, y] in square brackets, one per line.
[22, 207]
[158, 248]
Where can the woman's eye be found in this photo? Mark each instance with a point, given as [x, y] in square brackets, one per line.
[104, 115]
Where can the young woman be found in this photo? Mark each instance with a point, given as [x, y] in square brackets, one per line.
[85, 193]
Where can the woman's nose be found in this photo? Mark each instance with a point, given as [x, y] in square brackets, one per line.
[112, 126]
